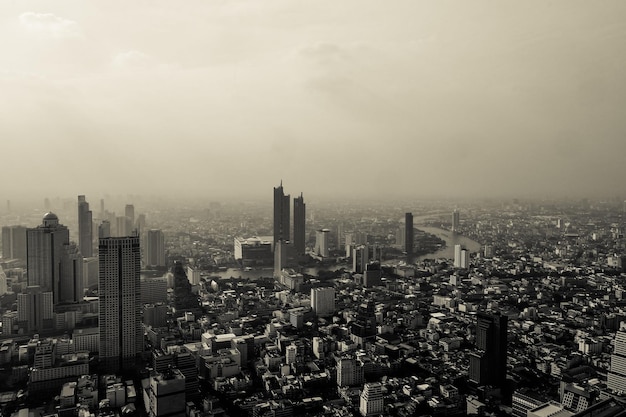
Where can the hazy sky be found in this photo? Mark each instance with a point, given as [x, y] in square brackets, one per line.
[357, 97]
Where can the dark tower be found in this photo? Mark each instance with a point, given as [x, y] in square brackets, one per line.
[488, 362]
[121, 334]
[85, 228]
[299, 224]
[281, 214]
[408, 234]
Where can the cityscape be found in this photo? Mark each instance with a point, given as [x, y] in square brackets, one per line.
[283, 307]
[272, 208]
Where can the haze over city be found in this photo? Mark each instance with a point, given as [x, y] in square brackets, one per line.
[226, 98]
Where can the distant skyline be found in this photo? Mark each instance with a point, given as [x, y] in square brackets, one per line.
[410, 99]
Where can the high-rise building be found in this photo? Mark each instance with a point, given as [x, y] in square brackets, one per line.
[323, 301]
[154, 248]
[299, 225]
[281, 214]
[616, 377]
[35, 310]
[104, 230]
[14, 242]
[461, 257]
[129, 213]
[371, 401]
[349, 372]
[71, 282]
[360, 258]
[122, 227]
[488, 362]
[121, 335]
[45, 247]
[280, 257]
[321, 242]
[408, 233]
[455, 221]
[85, 228]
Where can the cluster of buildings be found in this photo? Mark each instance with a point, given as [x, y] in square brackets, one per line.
[529, 325]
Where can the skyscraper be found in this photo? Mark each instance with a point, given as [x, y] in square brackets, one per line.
[154, 248]
[321, 242]
[14, 242]
[281, 214]
[455, 221]
[616, 377]
[488, 362]
[45, 247]
[129, 212]
[85, 228]
[121, 335]
[299, 225]
[323, 301]
[71, 282]
[408, 233]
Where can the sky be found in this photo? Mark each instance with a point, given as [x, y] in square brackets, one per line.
[219, 98]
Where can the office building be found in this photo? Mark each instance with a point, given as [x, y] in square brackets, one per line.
[299, 225]
[3, 282]
[371, 402]
[121, 335]
[129, 213]
[104, 230]
[85, 228]
[14, 242]
[323, 301]
[90, 272]
[349, 372]
[167, 394]
[408, 233]
[372, 276]
[455, 221]
[35, 310]
[154, 248]
[254, 251]
[45, 247]
[122, 227]
[321, 242]
[488, 361]
[616, 377]
[360, 258]
[280, 257]
[281, 214]
[461, 257]
[193, 275]
[153, 290]
[71, 282]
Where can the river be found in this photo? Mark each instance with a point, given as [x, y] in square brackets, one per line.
[449, 237]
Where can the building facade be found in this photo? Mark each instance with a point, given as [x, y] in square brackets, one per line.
[121, 335]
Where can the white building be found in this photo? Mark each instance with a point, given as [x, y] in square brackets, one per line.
[323, 301]
[371, 402]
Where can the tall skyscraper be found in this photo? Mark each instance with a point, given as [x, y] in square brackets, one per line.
[71, 282]
[455, 221]
[323, 301]
[299, 225]
[85, 227]
[281, 214]
[14, 242]
[121, 335]
[408, 233]
[616, 377]
[129, 212]
[45, 248]
[154, 248]
[488, 362]
[321, 242]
